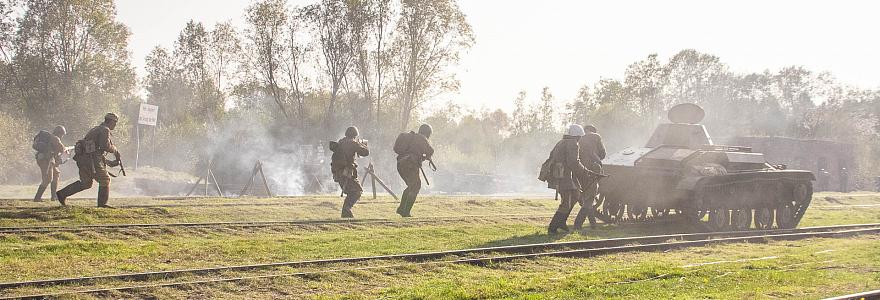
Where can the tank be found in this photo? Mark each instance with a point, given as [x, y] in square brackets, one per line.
[680, 171]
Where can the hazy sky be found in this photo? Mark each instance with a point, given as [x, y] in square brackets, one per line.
[526, 45]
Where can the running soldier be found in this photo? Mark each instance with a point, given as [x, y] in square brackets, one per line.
[92, 165]
[49, 149]
[412, 150]
[592, 152]
[344, 168]
[566, 174]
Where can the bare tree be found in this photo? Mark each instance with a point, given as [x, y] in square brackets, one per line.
[293, 68]
[430, 36]
[267, 21]
[225, 47]
[332, 24]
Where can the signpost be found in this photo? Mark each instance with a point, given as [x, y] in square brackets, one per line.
[147, 116]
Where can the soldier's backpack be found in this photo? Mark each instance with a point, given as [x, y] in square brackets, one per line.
[551, 170]
[546, 169]
[42, 141]
[401, 144]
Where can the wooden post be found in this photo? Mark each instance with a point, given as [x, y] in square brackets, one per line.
[250, 182]
[372, 172]
[216, 185]
[208, 175]
[265, 183]
[193, 189]
[373, 180]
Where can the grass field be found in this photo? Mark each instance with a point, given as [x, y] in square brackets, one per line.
[802, 269]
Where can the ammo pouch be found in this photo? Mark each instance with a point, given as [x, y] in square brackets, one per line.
[557, 170]
[347, 172]
[85, 147]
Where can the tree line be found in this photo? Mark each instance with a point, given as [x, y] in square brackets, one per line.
[304, 73]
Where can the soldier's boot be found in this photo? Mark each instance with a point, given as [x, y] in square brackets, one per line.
[556, 223]
[39, 196]
[350, 200]
[582, 215]
[404, 207]
[588, 213]
[68, 191]
[103, 196]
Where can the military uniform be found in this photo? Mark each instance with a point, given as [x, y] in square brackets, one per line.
[409, 163]
[92, 164]
[566, 155]
[48, 163]
[344, 169]
[592, 152]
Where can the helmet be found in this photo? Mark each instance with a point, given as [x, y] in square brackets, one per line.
[59, 130]
[426, 130]
[575, 130]
[111, 117]
[591, 128]
[351, 132]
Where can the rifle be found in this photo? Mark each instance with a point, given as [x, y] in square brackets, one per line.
[431, 164]
[423, 175]
[121, 166]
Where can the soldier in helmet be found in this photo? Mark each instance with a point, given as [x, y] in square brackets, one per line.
[567, 172]
[344, 167]
[592, 152]
[92, 165]
[48, 159]
[412, 149]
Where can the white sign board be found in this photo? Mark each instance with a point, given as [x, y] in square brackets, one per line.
[148, 114]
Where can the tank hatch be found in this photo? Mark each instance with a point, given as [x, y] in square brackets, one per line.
[626, 157]
[668, 157]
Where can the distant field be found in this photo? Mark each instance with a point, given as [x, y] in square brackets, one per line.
[797, 269]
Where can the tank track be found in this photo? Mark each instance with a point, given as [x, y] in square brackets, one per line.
[786, 203]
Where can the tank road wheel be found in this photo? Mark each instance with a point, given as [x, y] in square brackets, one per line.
[719, 219]
[598, 209]
[691, 215]
[659, 212]
[803, 195]
[741, 219]
[763, 218]
[637, 213]
[785, 218]
[613, 211]
[793, 207]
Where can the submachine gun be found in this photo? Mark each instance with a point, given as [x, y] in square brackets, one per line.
[117, 162]
[430, 164]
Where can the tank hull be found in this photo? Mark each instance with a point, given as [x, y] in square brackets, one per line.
[641, 193]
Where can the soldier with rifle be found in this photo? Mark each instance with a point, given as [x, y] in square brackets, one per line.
[344, 168]
[92, 164]
[49, 149]
[592, 152]
[412, 149]
[563, 171]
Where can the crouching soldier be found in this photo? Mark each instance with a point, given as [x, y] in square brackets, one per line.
[49, 149]
[344, 167]
[566, 173]
[92, 165]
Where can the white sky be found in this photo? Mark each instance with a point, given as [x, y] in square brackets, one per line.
[526, 45]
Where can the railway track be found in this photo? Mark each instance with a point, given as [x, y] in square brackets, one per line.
[870, 295]
[247, 224]
[478, 256]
